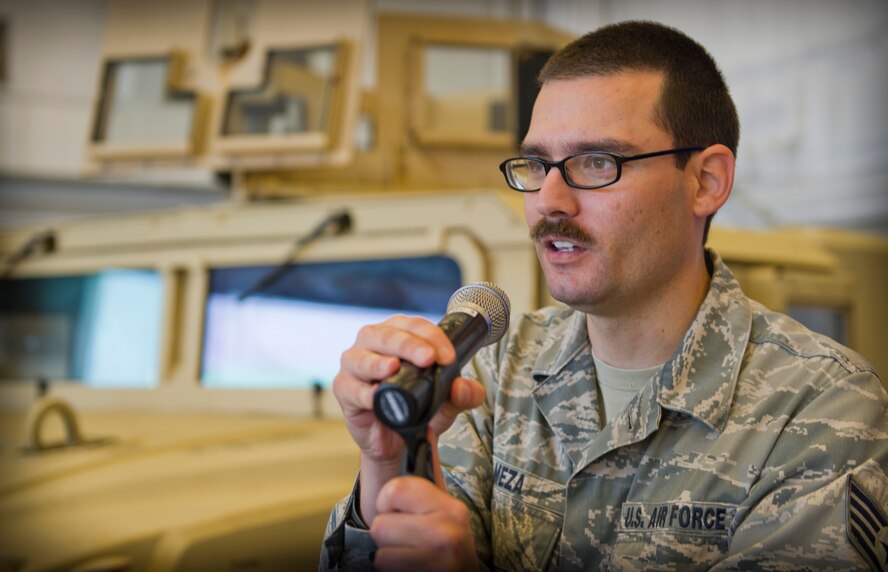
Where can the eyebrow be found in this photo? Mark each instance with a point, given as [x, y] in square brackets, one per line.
[609, 145]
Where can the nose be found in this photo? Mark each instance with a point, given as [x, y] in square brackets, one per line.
[556, 199]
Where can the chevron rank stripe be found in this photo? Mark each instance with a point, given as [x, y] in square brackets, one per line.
[867, 527]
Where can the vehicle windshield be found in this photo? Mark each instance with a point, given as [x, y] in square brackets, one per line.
[292, 334]
[82, 328]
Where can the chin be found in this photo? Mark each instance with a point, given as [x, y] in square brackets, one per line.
[578, 299]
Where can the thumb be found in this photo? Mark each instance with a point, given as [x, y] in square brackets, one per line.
[467, 393]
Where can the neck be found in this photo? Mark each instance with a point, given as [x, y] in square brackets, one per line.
[648, 331]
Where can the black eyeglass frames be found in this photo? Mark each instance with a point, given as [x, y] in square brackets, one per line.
[587, 170]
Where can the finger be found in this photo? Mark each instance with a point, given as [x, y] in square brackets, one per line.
[445, 353]
[399, 558]
[353, 394]
[375, 356]
[379, 348]
[467, 393]
[368, 365]
[441, 531]
[414, 495]
[398, 529]
[414, 339]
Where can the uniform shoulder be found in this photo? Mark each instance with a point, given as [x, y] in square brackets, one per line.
[797, 341]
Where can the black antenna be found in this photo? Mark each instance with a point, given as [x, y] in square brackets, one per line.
[337, 223]
[43, 241]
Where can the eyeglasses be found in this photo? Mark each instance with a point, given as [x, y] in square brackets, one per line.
[588, 170]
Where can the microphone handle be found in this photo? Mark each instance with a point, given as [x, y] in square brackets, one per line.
[413, 395]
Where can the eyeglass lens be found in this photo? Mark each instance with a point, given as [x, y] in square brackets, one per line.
[586, 170]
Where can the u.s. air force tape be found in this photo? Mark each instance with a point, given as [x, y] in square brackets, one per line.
[708, 518]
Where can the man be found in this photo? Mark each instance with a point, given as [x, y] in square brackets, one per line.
[664, 420]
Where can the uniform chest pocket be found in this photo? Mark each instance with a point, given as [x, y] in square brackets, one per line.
[689, 536]
[524, 535]
[527, 517]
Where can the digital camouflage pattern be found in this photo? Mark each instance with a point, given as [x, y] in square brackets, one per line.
[737, 455]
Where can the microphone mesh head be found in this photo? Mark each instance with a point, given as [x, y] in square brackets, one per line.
[488, 300]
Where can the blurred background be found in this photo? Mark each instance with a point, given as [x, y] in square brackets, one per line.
[201, 201]
[807, 77]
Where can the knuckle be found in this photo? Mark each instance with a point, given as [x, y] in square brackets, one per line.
[367, 331]
[348, 358]
[397, 342]
[459, 513]
[392, 336]
[362, 364]
[446, 541]
[396, 488]
[378, 526]
[337, 384]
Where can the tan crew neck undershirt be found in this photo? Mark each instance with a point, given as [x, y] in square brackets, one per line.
[618, 386]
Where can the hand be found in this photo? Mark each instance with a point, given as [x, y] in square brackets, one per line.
[421, 527]
[375, 356]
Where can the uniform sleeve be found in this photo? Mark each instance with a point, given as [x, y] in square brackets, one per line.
[466, 452]
[347, 543]
[820, 501]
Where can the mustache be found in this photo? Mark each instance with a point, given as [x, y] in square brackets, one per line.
[562, 228]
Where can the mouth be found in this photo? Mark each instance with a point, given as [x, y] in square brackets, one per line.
[561, 245]
[562, 239]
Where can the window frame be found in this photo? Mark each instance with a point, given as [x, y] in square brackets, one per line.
[418, 99]
[176, 86]
[238, 145]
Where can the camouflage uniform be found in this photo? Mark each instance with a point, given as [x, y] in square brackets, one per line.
[753, 448]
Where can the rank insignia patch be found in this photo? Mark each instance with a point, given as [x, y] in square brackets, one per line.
[867, 527]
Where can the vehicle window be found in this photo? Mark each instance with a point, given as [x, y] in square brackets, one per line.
[297, 95]
[82, 328]
[293, 334]
[138, 106]
[467, 91]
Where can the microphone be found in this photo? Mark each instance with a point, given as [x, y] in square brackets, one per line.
[477, 315]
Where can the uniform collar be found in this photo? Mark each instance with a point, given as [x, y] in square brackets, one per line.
[563, 342]
[700, 377]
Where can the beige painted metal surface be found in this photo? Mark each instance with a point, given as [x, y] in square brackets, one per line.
[167, 491]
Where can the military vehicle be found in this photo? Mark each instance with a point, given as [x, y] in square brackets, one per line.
[165, 394]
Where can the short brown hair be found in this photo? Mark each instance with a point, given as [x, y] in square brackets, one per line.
[695, 105]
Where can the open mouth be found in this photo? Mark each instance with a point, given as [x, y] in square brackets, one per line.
[562, 246]
[560, 236]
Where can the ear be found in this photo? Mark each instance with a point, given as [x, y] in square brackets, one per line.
[713, 170]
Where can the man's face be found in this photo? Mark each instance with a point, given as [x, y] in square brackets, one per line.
[606, 250]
